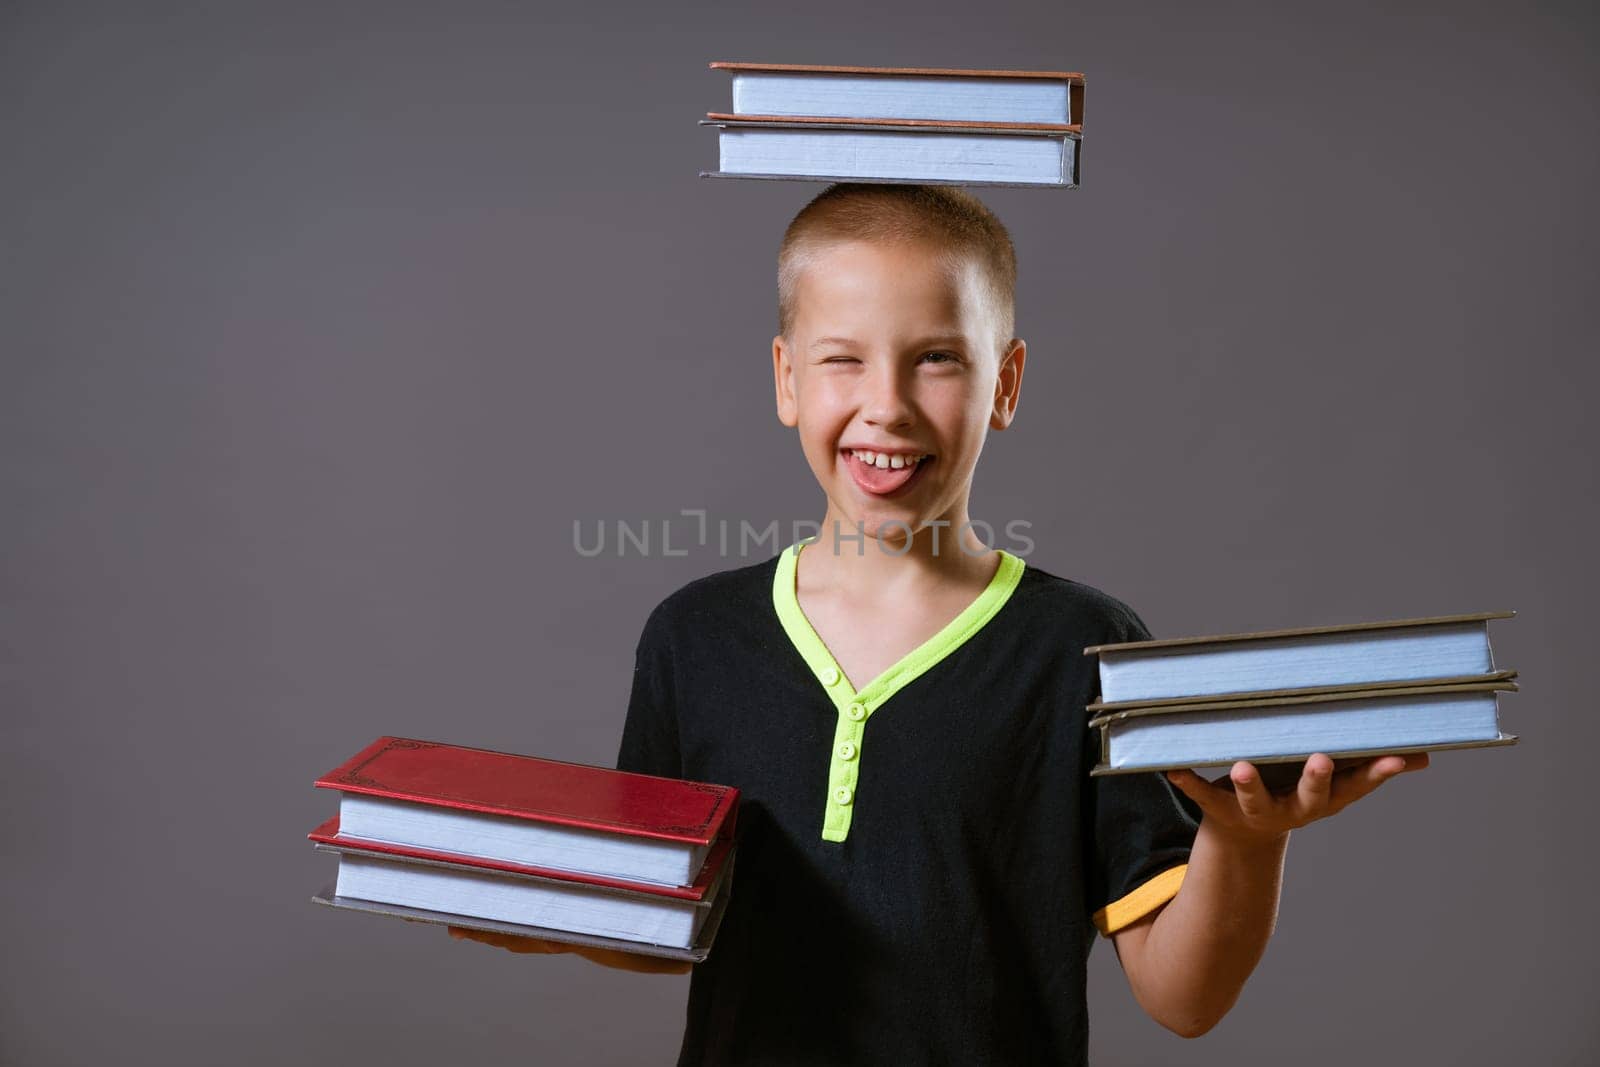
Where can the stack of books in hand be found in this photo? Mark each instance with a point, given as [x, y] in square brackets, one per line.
[1278, 696]
[536, 847]
[898, 124]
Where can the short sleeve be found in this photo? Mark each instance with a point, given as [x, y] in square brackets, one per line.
[650, 732]
[1143, 831]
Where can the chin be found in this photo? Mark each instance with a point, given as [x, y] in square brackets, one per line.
[891, 523]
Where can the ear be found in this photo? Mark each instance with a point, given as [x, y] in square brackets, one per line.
[783, 380]
[1008, 384]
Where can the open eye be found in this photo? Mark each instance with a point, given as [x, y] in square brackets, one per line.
[948, 357]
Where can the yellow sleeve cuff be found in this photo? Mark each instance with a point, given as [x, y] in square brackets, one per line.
[1141, 902]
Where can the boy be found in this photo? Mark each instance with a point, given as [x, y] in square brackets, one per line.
[923, 857]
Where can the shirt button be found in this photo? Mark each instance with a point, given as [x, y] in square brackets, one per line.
[847, 750]
[830, 676]
[857, 712]
[842, 795]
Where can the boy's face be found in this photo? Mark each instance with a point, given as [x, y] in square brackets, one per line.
[894, 353]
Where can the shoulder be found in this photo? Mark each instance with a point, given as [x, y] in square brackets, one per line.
[1090, 615]
[706, 604]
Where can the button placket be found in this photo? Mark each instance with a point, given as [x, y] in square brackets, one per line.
[844, 765]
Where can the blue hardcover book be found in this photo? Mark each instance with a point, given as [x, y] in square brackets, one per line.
[1352, 723]
[803, 122]
[1368, 655]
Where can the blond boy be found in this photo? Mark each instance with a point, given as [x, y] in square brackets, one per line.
[924, 860]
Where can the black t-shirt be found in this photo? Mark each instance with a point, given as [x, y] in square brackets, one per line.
[922, 865]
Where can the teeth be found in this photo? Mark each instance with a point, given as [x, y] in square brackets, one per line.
[887, 461]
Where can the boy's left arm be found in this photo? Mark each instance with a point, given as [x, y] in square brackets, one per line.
[1188, 961]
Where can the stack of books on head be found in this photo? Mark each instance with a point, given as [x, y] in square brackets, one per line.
[1277, 697]
[529, 846]
[900, 124]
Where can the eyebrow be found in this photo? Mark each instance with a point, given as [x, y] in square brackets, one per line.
[926, 342]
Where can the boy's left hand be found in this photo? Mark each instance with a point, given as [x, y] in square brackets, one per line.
[1240, 807]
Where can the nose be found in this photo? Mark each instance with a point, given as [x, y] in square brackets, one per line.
[887, 403]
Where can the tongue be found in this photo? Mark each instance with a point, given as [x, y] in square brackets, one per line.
[880, 480]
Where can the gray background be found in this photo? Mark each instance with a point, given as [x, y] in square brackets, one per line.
[323, 323]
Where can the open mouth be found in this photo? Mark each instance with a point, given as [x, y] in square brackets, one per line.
[885, 474]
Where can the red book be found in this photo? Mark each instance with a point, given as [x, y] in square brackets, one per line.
[530, 812]
[327, 834]
[678, 922]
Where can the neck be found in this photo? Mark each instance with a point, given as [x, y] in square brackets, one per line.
[846, 557]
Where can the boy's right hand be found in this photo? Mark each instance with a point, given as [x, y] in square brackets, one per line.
[625, 961]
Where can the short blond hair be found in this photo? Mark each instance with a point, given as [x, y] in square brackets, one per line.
[944, 216]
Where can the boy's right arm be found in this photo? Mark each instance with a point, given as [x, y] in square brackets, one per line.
[625, 961]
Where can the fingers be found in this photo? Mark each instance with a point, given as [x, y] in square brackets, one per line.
[1356, 782]
[1242, 793]
[1325, 787]
[1314, 793]
[1202, 792]
[634, 961]
[626, 961]
[1254, 799]
[509, 942]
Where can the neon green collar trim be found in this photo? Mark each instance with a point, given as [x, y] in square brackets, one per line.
[855, 708]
